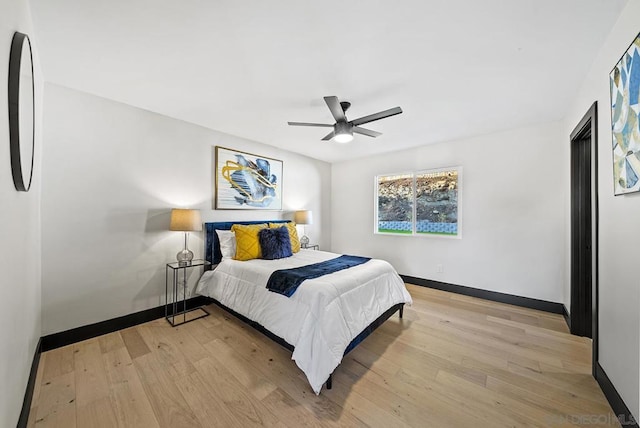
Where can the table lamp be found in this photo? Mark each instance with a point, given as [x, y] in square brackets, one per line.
[303, 217]
[185, 220]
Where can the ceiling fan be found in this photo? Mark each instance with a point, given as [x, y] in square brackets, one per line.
[343, 129]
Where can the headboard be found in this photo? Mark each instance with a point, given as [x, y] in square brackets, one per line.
[212, 245]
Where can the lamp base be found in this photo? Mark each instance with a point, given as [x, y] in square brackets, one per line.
[184, 257]
[304, 241]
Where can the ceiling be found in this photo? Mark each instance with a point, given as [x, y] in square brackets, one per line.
[457, 68]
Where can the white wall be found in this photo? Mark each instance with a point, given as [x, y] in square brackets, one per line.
[19, 238]
[512, 213]
[111, 175]
[619, 278]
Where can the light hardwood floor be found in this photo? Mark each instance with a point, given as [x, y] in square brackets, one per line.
[453, 361]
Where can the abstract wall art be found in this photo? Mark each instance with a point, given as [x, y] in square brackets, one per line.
[624, 82]
[245, 181]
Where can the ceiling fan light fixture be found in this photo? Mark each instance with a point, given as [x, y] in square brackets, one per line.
[343, 133]
[344, 137]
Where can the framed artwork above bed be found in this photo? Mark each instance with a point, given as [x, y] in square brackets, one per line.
[245, 181]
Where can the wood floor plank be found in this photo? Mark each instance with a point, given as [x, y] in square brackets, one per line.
[244, 406]
[93, 389]
[169, 405]
[491, 400]
[551, 334]
[433, 319]
[290, 411]
[206, 403]
[132, 407]
[56, 405]
[57, 362]
[556, 381]
[186, 344]
[425, 362]
[202, 331]
[534, 347]
[549, 403]
[245, 374]
[158, 336]
[361, 406]
[438, 342]
[98, 413]
[483, 415]
[110, 342]
[413, 407]
[451, 361]
[134, 343]
[91, 374]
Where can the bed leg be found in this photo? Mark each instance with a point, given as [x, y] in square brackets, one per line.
[401, 311]
[329, 383]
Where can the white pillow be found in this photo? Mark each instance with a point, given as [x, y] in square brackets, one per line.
[227, 241]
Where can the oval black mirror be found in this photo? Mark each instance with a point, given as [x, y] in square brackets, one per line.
[21, 111]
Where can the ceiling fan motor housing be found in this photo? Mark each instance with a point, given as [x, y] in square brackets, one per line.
[342, 128]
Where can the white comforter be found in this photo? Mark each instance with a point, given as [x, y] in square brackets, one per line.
[322, 317]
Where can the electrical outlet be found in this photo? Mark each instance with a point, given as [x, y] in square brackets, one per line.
[439, 268]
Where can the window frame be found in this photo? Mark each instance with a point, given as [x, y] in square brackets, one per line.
[414, 219]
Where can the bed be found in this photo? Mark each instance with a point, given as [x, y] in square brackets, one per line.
[323, 320]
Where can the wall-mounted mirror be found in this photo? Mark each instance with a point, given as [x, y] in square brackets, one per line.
[21, 111]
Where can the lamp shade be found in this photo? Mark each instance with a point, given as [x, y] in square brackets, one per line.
[303, 217]
[185, 220]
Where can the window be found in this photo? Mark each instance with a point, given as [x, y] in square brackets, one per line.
[419, 203]
[395, 203]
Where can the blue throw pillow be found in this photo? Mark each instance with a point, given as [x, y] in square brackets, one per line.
[275, 243]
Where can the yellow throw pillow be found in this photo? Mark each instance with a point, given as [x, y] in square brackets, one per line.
[293, 234]
[247, 244]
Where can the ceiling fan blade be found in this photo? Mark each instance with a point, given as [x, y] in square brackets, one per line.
[329, 136]
[376, 116]
[336, 109]
[365, 131]
[324, 125]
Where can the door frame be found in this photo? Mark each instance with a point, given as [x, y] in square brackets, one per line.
[590, 120]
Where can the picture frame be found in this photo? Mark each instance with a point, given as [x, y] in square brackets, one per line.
[246, 181]
[624, 84]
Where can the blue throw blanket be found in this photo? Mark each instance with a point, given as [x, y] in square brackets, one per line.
[287, 281]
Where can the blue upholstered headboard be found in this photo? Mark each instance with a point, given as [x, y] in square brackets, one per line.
[212, 245]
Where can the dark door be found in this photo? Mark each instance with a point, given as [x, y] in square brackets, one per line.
[581, 231]
[584, 230]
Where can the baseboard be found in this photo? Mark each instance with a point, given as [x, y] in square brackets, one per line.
[57, 340]
[526, 302]
[567, 317]
[31, 384]
[618, 406]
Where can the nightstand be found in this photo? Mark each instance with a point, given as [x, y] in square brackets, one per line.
[310, 246]
[174, 314]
